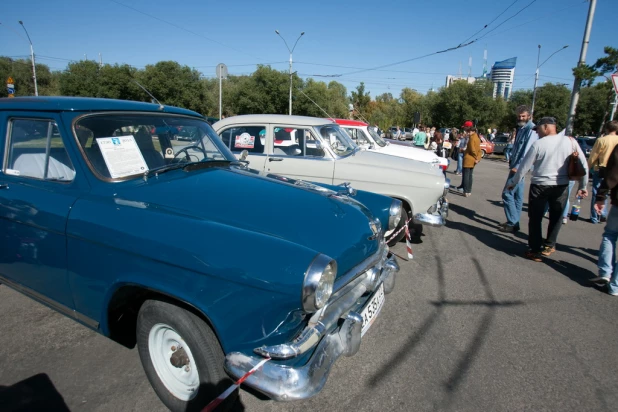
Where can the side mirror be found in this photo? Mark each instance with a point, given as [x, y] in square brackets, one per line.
[243, 155]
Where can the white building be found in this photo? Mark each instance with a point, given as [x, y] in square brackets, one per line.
[450, 79]
[502, 76]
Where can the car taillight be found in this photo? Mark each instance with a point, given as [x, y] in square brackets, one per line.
[444, 167]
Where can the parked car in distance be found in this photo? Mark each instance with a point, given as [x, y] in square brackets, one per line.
[487, 147]
[366, 138]
[178, 248]
[407, 132]
[325, 153]
[391, 132]
[586, 143]
[500, 143]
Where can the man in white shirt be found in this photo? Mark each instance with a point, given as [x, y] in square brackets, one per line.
[549, 184]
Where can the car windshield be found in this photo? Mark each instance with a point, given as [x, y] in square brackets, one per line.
[129, 145]
[338, 140]
[376, 137]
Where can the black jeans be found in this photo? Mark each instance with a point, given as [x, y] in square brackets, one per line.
[539, 196]
[466, 181]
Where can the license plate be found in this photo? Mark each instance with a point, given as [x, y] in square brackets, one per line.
[372, 309]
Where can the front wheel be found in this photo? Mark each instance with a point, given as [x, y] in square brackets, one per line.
[181, 356]
[483, 154]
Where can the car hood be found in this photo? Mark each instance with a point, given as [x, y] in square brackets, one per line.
[386, 161]
[407, 152]
[333, 225]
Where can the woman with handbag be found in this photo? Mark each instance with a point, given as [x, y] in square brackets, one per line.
[557, 159]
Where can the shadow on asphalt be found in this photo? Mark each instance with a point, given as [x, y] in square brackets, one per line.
[37, 393]
[498, 203]
[515, 244]
[473, 348]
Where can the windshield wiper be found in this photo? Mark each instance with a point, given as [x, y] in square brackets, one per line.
[166, 168]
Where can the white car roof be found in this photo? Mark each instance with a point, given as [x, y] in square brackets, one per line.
[273, 118]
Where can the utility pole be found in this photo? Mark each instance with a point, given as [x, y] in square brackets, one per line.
[536, 75]
[36, 89]
[582, 61]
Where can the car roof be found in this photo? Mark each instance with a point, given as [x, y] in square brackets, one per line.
[79, 104]
[347, 122]
[273, 118]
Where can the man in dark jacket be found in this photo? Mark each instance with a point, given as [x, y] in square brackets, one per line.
[608, 275]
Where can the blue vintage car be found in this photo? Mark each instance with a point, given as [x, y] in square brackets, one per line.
[176, 247]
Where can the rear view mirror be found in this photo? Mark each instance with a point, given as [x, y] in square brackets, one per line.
[243, 155]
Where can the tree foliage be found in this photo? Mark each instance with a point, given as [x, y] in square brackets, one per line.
[266, 90]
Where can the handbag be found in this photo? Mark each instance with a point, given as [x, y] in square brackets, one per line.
[576, 168]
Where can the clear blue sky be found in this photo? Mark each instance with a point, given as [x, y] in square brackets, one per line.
[360, 34]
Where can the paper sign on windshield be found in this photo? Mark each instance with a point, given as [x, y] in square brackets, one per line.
[122, 156]
[245, 141]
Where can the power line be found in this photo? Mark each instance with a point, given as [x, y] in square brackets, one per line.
[488, 24]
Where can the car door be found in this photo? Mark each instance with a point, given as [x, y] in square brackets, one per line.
[294, 151]
[38, 186]
[249, 137]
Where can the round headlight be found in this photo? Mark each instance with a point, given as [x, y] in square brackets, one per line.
[394, 214]
[318, 283]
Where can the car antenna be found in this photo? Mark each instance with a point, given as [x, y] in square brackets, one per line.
[161, 107]
[329, 116]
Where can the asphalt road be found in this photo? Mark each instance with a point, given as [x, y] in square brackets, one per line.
[470, 326]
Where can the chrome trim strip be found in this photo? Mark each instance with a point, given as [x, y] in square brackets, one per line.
[361, 267]
[72, 313]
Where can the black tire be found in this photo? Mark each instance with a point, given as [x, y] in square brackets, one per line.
[204, 347]
[483, 154]
[397, 239]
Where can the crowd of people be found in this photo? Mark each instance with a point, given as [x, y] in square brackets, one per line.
[555, 163]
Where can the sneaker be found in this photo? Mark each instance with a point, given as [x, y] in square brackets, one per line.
[603, 219]
[600, 280]
[509, 228]
[534, 256]
[564, 220]
[503, 224]
[468, 194]
[548, 250]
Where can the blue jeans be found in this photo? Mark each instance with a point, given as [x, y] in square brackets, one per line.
[513, 201]
[507, 152]
[459, 162]
[607, 251]
[596, 182]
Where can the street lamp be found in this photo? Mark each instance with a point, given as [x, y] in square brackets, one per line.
[36, 89]
[536, 74]
[291, 51]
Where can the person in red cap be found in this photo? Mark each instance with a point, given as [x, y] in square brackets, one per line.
[472, 156]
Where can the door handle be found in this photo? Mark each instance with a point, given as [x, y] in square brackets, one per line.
[275, 159]
[4, 185]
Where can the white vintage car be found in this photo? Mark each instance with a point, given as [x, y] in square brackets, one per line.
[318, 150]
[365, 137]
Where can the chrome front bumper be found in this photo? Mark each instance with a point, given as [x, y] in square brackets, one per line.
[436, 216]
[336, 331]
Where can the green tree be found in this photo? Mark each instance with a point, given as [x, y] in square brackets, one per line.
[360, 99]
[21, 72]
[174, 85]
[80, 79]
[592, 108]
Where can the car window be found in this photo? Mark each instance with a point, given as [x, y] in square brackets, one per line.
[249, 138]
[338, 140]
[36, 150]
[357, 135]
[124, 145]
[294, 141]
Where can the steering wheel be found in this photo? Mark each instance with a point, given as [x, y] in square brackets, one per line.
[187, 155]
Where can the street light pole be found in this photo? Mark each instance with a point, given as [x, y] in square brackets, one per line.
[536, 79]
[582, 60]
[36, 89]
[291, 51]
